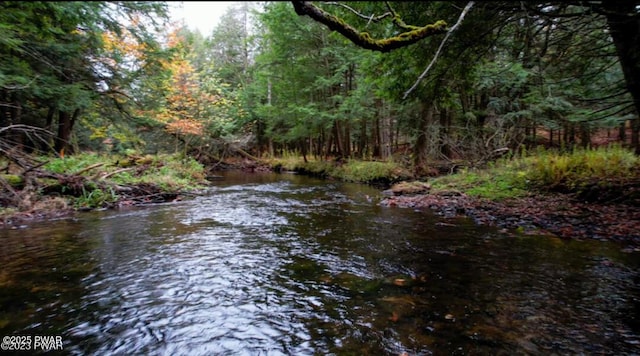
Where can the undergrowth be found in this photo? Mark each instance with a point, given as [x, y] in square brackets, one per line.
[570, 172]
[169, 172]
[505, 179]
[349, 171]
[547, 170]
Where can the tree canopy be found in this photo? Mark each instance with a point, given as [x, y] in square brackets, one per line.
[375, 80]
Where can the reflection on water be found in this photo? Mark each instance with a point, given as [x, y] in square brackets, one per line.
[282, 264]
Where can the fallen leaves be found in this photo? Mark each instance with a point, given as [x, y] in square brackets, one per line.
[449, 317]
[399, 282]
[554, 214]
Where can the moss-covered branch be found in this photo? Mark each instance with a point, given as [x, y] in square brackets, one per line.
[364, 39]
[397, 20]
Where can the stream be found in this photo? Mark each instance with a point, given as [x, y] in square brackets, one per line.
[281, 264]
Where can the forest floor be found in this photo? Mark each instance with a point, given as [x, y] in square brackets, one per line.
[557, 214]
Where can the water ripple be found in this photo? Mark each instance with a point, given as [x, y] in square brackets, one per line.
[286, 266]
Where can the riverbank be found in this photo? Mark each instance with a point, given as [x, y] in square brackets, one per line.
[555, 214]
[582, 194]
[45, 188]
[585, 195]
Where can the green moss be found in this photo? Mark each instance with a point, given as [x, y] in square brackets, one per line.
[409, 37]
[497, 183]
[14, 180]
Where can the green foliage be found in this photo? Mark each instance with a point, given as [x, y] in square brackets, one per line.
[75, 163]
[504, 180]
[13, 180]
[284, 82]
[173, 172]
[351, 171]
[95, 198]
[56, 59]
[369, 172]
[170, 172]
[546, 170]
[571, 171]
[288, 161]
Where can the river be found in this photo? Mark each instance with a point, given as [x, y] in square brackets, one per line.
[268, 264]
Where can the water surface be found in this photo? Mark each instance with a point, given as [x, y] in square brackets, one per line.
[282, 264]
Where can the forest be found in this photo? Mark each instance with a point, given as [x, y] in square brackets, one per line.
[96, 96]
[321, 178]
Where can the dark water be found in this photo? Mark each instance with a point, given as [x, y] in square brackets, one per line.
[282, 264]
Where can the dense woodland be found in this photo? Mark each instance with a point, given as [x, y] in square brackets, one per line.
[113, 77]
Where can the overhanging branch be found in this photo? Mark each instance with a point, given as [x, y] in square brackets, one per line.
[363, 39]
[370, 18]
[444, 40]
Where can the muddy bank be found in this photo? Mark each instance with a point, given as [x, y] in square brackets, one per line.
[59, 207]
[560, 215]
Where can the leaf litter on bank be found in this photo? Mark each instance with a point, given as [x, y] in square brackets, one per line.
[559, 215]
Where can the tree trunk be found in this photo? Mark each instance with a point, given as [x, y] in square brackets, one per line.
[362, 143]
[375, 136]
[303, 149]
[569, 136]
[346, 136]
[16, 118]
[387, 135]
[337, 133]
[420, 148]
[65, 128]
[445, 123]
[585, 135]
[624, 25]
[622, 132]
[635, 135]
[328, 145]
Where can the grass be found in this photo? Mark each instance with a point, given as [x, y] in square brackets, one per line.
[369, 171]
[170, 172]
[512, 177]
[349, 171]
[546, 170]
[501, 181]
[95, 198]
[540, 170]
[571, 172]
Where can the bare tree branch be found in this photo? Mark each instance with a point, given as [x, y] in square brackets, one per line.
[20, 87]
[370, 18]
[22, 127]
[363, 39]
[444, 40]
